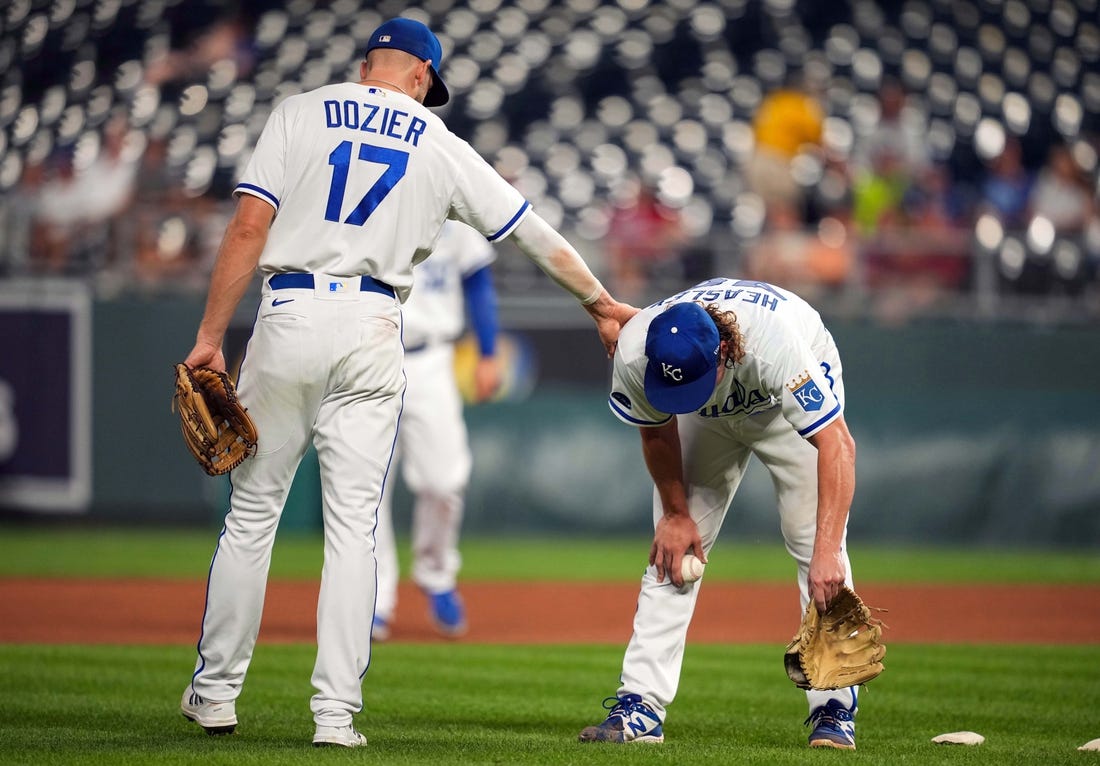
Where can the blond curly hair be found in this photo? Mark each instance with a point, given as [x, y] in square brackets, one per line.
[729, 331]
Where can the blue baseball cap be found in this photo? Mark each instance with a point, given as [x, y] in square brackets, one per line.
[682, 348]
[414, 38]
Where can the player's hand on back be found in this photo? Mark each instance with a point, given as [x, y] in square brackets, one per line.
[610, 316]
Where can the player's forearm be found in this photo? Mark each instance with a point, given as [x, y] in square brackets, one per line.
[836, 482]
[835, 489]
[554, 255]
[661, 450]
[233, 270]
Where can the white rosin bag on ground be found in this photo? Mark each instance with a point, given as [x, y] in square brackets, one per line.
[959, 738]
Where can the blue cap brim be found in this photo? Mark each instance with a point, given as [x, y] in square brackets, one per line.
[679, 399]
[438, 95]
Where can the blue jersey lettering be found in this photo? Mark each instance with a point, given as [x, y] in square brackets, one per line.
[739, 401]
[372, 118]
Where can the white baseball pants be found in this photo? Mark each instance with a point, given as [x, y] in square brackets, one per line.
[328, 369]
[716, 454]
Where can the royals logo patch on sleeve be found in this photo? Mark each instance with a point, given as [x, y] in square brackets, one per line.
[806, 392]
[621, 398]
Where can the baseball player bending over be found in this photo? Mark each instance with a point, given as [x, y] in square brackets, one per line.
[712, 376]
[431, 442]
[348, 187]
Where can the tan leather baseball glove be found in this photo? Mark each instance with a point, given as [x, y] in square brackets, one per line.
[217, 428]
[842, 647]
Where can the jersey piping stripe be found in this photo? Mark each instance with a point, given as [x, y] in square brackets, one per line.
[507, 228]
[820, 422]
[622, 414]
[258, 192]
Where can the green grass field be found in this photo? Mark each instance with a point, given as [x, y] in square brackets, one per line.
[461, 703]
[62, 552]
[451, 704]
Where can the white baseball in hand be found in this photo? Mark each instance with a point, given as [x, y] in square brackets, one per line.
[691, 568]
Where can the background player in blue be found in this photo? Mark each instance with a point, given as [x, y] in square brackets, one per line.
[432, 443]
[348, 188]
[712, 376]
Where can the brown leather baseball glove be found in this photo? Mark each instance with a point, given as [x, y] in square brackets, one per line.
[842, 647]
[217, 429]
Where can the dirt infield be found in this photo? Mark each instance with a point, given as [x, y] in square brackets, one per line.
[168, 612]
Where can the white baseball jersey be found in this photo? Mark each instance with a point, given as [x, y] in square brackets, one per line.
[436, 310]
[789, 355]
[329, 159]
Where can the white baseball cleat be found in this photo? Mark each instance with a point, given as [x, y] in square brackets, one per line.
[214, 717]
[343, 736]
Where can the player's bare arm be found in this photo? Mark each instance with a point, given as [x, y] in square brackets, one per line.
[554, 255]
[676, 532]
[836, 481]
[240, 250]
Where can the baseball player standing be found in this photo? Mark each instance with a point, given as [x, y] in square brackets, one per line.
[712, 376]
[432, 444]
[348, 187]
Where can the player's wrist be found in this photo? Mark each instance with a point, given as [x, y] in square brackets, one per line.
[597, 293]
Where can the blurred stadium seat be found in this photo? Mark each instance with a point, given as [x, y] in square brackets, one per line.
[573, 99]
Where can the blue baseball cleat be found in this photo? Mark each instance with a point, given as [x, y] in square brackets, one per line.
[834, 726]
[630, 720]
[448, 613]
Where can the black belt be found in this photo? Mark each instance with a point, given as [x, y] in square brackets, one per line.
[286, 281]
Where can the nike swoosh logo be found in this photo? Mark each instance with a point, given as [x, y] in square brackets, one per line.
[278, 302]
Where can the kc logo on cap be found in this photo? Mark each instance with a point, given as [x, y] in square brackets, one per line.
[669, 371]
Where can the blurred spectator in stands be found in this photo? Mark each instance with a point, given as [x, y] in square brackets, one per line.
[106, 187]
[899, 130]
[807, 260]
[788, 121]
[18, 227]
[1061, 193]
[932, 202]
[205, 33]
[914, 247]
[1006, 187]
[74, 226]
[938, 230]
[57, 213]
[166, 240]
[644, 236]
[890, 163]
[878, 190]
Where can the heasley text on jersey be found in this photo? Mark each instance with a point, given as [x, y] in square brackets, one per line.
[747, 291]
[372, 118]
